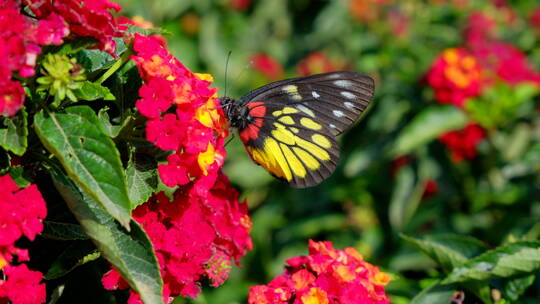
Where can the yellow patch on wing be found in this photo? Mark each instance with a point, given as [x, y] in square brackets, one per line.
[315, 150]
[292, 90]
[295, 164]
[321, 141]
[285, 136]
[289, 110]
[310, 123]
[307, 159]
[295, 130]
[287, 120]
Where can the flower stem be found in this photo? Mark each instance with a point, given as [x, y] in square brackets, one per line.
[117, 65]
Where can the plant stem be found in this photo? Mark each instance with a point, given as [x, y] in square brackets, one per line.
[117, 65]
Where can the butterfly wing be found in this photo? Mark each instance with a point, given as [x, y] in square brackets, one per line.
[293, 123]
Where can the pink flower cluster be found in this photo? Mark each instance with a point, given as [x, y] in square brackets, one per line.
[199, 232]
[85, 18]
[194, 237]
[326, 276]
[22, 211]
[459, 74]
[22, 37]
[184, 115]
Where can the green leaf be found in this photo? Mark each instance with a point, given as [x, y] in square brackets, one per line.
[88, 156]
[514, 288]
[63, 231]
[73, 46]
[142, 181]
[428, 125]
[435, 293]
[17, 174]
[504, 261]
[448, 250]
[14, 136]
[93, 91]
[405, 198]
[131, 253]
[79, 253]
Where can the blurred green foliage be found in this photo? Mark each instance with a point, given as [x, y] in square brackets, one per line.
[371, 203]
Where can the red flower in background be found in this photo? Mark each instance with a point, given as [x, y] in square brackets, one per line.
[239, 5]
[367, 10]
[534, 20]
[462, 143]
[317, 62]
[455, 76]
[268, 66]
[326, 276]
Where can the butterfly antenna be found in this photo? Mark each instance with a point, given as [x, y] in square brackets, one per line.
[226, 70]
[247, 66]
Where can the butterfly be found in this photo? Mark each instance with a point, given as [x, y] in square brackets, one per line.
[289, 127]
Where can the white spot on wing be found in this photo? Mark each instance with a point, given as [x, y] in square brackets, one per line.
[338, 113]
[315, 94]
[348, 95]
[305, 110]
[349, 105]
[332, 126]
[343, 83]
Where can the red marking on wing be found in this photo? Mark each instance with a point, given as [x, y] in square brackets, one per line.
[258, 110]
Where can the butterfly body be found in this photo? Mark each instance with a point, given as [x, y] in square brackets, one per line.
[289, 126]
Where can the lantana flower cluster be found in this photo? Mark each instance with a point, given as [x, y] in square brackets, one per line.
[22, 212]
[23, 37]
[85, 18]
[325, 276]
[198, 232]
[462, 73]
[267, 66]
[318, 62]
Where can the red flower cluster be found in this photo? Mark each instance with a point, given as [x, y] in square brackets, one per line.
[21, 38]
[268, 66]
[462, 143]
[455, 76]
[534, 20]
[195, 128]
[204, 227]
[240, 5]
[85, 18]
[194, 237]
[318, 62]
[326, 276]
[367, 10]
[21, 213]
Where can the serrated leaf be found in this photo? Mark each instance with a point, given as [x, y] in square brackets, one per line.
[63, 231]
[77, 254]
[88, 156]
[505, 261]
[93, 91]
[131, 253]
[14, 136]
[142, 181]
[427, 126]
[435, 293]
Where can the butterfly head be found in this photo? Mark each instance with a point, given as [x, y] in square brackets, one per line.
[237, 115]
